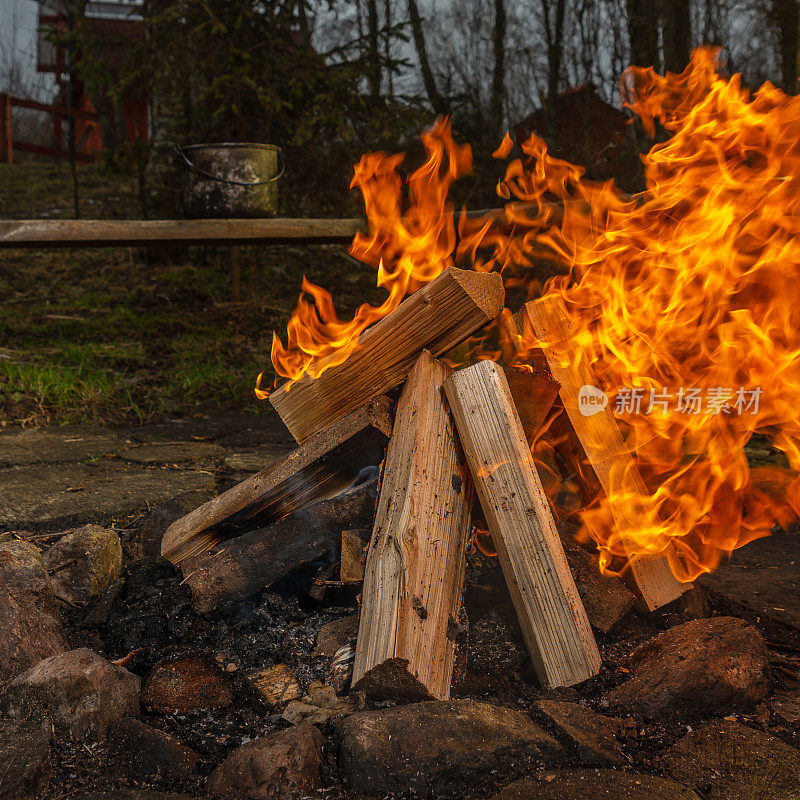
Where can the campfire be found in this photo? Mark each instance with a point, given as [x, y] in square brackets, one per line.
[638, 376]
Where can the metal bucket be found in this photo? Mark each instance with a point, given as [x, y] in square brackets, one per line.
[230, 179]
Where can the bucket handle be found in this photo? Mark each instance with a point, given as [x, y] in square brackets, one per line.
[192, 166]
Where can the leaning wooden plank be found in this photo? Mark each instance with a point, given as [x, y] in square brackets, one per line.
[549, 609]
[560, 432]
[255, 560]
[322, 467]
[415, 561]
[650, 575]
[436, 317]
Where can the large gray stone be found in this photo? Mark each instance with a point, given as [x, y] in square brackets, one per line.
[57, 444]
[79, 692]
[25, 759]
[436, 748]
[596, 784]
[84, 563]
[30, 624]
[707, 667]
[725, 760]
[281, 766]
[35, 497]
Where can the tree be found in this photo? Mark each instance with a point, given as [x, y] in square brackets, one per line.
[437, 101]
[643, 32]
[786, 17]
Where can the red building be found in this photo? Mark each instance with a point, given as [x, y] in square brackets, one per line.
[584, 130]
[118, 26]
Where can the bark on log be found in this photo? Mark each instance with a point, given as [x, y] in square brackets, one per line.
[257, 559]
[415, 561]
[549, 609]
[437, 317]
[600, 436]
[319, 469]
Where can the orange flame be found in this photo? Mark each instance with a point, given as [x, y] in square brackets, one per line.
[409, 246]
[686, 291]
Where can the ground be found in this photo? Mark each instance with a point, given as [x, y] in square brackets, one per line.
[119, 335]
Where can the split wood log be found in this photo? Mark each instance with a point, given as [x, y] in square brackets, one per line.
[549, 609]
[437, 317]
[321, 468]
[649, 575]
[257, 559]
[415, 561]
[534, 393]
[351, 563]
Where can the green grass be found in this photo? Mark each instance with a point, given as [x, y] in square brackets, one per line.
[116, 335]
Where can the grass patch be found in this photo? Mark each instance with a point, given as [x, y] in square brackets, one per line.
[118, 334]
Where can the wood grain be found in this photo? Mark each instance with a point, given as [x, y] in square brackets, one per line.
[649, 575]
[415, 561]
[549, 609]
[436, 317]
[317, 470]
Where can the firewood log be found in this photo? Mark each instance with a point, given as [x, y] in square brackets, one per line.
[437, 317]
[320, 468]
[552, 618]
[649, 576]
[415, 562]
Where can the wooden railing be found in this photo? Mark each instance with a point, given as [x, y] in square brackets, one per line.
[58, 112]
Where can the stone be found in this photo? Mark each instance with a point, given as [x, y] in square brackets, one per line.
[595, 784]
[592, 736]
[281, 766]
[187, 683]
[277, 684]
[29, 617]
[25, 759]
[57, 444]
[37, 497]
[173, 453]
[605, 598]
[140, 752]
[725, 760]
[761, 584]
[437, 747]
[78, 691]
[706, 667]
[84, 563]
[322, 705]
[144, 540]
[333, 635]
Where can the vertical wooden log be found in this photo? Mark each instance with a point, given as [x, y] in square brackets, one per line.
[601, 438]
[550, 611]
[415, 561]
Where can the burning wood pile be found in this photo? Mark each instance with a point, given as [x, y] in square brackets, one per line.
[453, 434]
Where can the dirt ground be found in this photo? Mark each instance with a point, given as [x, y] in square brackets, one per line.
[124, 335]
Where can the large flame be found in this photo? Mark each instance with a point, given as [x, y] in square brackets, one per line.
[686, 291]
[410, 244]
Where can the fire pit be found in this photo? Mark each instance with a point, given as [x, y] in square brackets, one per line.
[486, 569]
